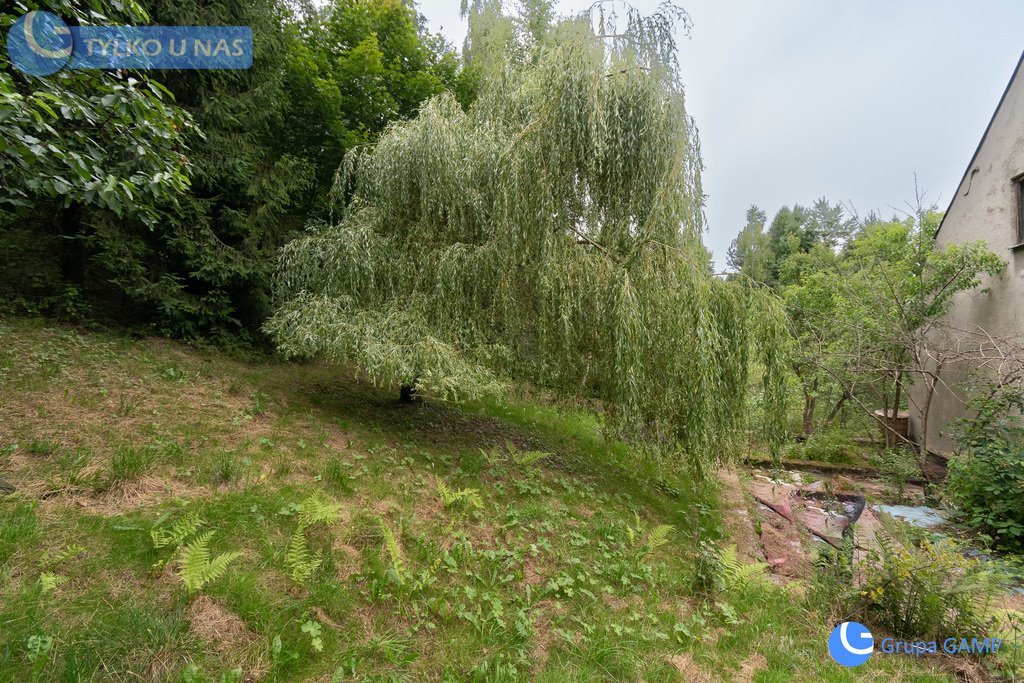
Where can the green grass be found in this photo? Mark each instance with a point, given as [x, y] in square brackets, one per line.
[549, 579]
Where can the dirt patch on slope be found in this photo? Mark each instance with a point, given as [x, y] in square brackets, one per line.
[690, 670]
[750, 666]
[737, 519]
[215, 625]
[146, 491]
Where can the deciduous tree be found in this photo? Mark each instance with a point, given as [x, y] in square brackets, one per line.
[549, 233]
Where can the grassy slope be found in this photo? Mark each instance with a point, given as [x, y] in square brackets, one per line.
[543, 582]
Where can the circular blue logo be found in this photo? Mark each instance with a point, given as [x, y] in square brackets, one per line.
[851, 644]
[39, 43]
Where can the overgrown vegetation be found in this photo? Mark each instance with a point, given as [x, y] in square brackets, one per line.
[580, 564]
[927, 590]
[911, 587]
[516, 237]
[986, 479]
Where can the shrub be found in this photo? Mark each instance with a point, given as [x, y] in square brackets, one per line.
[986, 479]
[829, 591]
[899, 466]
[834, 445]
[927, 590]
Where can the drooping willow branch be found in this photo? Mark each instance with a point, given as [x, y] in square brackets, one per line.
[550, 234]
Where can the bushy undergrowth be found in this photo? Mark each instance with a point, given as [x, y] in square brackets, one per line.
[834, 444]
[986, 480]
[928, 590]
[899, 466]
[922, 589]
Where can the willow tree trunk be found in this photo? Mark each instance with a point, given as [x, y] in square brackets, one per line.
[407, 394]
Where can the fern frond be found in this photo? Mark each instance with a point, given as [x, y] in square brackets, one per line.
[313, 510]
[177, 532]
[738, 574]
[397, 569]
[510, 449]
[193, 558]
[217, 567]
[748, 573]
[50, 582]
[469, 498]
[521, 458]
[528, 458]
[196, 568]
[50, 559]
[444, 493]
[300, 561]
[634, 532]
[658, 537]
[463, 497]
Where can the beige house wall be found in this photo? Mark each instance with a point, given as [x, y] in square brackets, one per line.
[986, 207]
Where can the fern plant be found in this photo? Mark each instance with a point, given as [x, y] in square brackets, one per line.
[50, 582]
[313, 510]
[737, 575]
[176, 534]
[524, 458]
[654, 539]
[634, 532]
[197, 568]
[396, 571]
[519, 457]
[464, 498]
[52, 559]
[657, 537]
[302, 563]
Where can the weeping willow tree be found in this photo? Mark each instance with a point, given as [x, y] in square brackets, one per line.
[551, 233]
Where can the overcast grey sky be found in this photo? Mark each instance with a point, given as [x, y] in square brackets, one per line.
[798, 99]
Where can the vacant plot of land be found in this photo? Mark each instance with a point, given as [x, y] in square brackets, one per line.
[487, 542]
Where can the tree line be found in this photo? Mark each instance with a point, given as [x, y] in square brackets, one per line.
[160, 199]
[866, 300]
